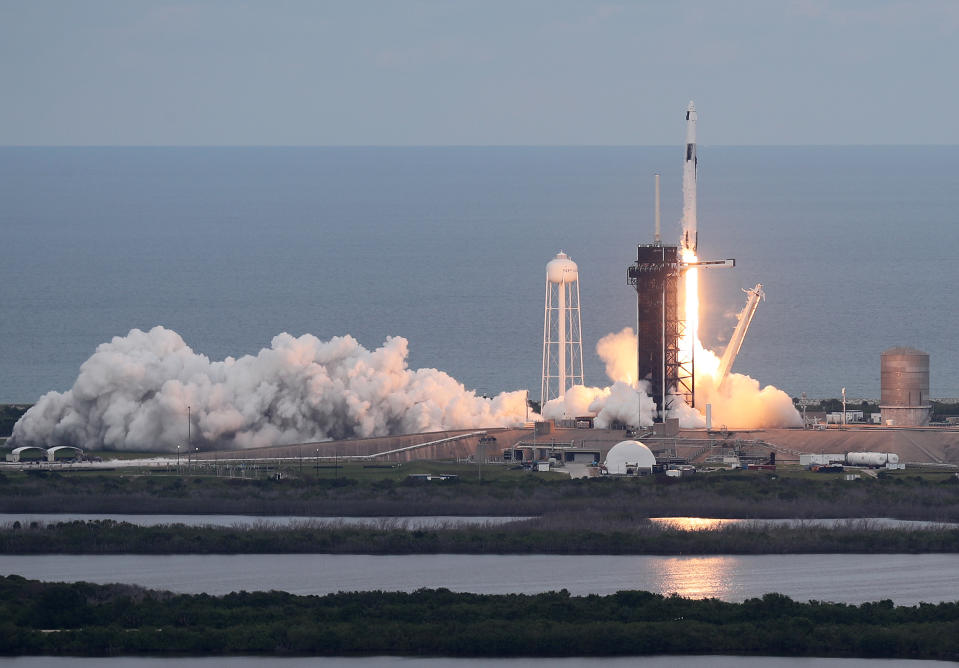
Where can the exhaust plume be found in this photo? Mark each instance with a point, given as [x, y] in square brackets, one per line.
[741, 403]
[133, 393]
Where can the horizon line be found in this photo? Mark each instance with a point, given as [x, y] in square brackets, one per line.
[399, 146]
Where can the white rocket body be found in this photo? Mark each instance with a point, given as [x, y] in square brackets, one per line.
[690, 235]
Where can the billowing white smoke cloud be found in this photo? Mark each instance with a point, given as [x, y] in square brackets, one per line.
[740, 404]
[621, 402]
[133, 393]
[618, 352]
[618, 403]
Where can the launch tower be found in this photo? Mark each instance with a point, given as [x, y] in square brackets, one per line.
[659, 325]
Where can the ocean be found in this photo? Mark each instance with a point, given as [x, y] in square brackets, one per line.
[855, 247]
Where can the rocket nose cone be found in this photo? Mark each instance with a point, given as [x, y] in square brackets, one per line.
[691, 107]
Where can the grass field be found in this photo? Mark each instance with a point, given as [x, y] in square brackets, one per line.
[354, 489]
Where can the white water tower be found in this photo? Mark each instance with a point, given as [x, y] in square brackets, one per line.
[562, 329]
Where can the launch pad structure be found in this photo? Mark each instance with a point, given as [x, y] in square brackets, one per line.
[659, 326]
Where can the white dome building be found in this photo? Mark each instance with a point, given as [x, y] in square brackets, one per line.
[629, 458]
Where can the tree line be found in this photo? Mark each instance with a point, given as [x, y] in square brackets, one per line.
[551, 536]
[84, 619]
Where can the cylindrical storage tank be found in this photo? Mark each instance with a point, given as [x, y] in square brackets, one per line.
[867, 458]
[904, 384]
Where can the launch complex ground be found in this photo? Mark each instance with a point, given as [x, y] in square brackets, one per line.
[916, 446]
[573, 449]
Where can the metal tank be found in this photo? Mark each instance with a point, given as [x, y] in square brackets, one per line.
[904, 381]
[870, 459]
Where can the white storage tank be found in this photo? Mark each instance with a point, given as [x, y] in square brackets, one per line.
[875, 459]
[904, 381]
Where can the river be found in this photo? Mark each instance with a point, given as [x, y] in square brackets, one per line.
[411, 662]
[451, 521]
[268, 521]
[906, 579]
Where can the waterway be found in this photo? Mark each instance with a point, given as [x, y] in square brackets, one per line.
[402, 662]
[262, 521]
[906, 579]
[449, 521]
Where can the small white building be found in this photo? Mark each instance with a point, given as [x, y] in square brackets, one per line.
[851, 416]
[821, 459]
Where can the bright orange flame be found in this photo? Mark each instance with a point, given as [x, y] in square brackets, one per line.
[707, 362]
[689, 339]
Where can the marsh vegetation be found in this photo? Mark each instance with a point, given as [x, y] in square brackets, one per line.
[617, 533]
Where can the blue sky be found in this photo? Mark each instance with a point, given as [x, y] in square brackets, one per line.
[483, 72]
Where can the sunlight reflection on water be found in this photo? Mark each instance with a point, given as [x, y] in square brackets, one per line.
[712, 523]
[696, 577]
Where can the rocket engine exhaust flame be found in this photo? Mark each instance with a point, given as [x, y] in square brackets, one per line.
[741, 403]
[690, 336]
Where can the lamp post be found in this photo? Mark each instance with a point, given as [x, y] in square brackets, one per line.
[178, 459]
[844, 408]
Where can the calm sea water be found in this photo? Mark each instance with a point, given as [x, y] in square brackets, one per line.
[447, 247]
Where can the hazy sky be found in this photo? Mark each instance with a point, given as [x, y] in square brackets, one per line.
[477, 72]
